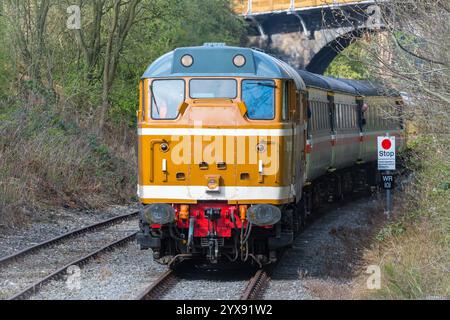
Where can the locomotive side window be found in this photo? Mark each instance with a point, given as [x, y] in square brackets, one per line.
[213, 88]
[285, 106]
[259, 97]
[166, 97]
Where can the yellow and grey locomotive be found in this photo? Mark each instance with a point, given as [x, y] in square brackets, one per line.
[235, 148]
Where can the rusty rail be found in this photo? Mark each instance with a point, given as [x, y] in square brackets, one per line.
[256, 286]
[159, 287]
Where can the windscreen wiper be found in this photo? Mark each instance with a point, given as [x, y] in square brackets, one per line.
[154, 99]
[264, 84]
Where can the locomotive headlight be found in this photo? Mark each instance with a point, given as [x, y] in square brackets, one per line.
[187, 60]
[159, 213]
[261, 147]
[239, 60]
[264, 215]
[212, 183]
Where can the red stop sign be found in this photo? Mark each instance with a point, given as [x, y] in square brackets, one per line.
[386, 144]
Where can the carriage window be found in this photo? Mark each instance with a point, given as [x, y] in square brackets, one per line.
[213, 88]
[259, 97]
[166, 98]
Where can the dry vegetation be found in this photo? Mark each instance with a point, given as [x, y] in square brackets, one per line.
[49, 160]
[411, 52]
[413, 248]
[68, 97]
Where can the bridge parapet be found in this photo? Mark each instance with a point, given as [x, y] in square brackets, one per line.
[255, 7]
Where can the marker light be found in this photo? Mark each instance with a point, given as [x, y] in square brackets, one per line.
[159, 213]
[243, 212]
[184, 212]
[264, 215]
[239, 60]
[212, 183]
[187, 60]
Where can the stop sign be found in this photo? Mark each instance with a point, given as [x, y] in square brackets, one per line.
[386, 144]
[386, 153]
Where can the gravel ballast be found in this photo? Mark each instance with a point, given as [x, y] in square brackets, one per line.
[325, 255]
[17, 275]
[119, 275]
[321, 262]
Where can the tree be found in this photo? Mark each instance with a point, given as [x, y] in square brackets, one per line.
[98, 66]
[411, 53]
[28, 21]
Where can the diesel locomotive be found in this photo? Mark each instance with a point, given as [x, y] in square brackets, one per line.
[236, 148]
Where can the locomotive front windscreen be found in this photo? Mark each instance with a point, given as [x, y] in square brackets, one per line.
[166, 97]
[213, 88]
[259, 97]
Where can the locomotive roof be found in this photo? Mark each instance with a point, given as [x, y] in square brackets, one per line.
[217, 61]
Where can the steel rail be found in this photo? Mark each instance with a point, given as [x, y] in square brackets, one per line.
[256, 286]
[71, 234]
[36, 287]
[159, 287]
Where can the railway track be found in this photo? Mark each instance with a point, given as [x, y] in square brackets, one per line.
[94, 227]
[160, 287]
[35, 287]
[25, 272]
[256, 286]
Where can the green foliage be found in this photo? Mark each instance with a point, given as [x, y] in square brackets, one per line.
[50, 151]
[391, 230]
[173, 24]
[348, 64]
[5, 66]
[159, 27]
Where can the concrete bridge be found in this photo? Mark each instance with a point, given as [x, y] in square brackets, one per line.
[308, 34]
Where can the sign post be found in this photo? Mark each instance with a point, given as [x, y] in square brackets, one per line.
[386, 164]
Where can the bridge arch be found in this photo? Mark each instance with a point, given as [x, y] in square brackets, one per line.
[309, 37]
[324, 57]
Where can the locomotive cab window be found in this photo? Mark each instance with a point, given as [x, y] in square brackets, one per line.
[259, 97]
[166, 97]
[213, 88]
